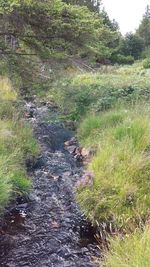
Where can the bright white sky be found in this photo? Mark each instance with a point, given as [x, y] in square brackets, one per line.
[128, 13]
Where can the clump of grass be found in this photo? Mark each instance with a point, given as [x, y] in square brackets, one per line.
[8, 110]
[121, 169]
[94, 124]
[5, 182]
[131, 251]
[6, 90]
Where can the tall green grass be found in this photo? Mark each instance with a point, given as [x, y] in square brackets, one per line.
[131, 251]
[16, 143]
[92, 126]
[116, 122]
[121, 167]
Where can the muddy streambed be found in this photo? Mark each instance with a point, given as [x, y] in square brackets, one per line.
[47, 228]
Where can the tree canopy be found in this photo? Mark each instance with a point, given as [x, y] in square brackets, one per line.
[54, 26]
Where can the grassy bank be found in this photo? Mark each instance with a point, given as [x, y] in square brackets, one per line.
[121, 166]
[16, 143]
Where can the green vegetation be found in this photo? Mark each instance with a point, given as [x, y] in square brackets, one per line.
[42, 40]
[94, 124]
[100, 91]
[132, 251]
[135, 45]
[113, 108]
[52, 27]
[16, 143]
[120, 193]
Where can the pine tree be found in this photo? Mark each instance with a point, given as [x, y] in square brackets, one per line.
[132, 45]
[144, 28]
[112, 24]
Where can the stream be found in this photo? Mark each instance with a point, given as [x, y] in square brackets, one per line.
[47, 228]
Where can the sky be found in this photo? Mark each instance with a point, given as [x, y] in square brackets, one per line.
[128, 13]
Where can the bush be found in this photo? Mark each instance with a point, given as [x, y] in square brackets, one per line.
[127, 60]
[131, 251]
[146, 63]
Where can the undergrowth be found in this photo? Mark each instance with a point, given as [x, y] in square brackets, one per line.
[81, 93]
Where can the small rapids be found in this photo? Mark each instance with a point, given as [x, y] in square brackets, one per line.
[47, 228]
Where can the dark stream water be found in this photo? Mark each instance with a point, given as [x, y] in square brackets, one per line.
[48, 228]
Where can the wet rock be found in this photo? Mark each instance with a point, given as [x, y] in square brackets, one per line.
[71, 149]
[71, 142]
[86, 152]
[86, 180]
[55, 225]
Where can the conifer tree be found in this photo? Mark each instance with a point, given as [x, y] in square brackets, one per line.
[144, 28]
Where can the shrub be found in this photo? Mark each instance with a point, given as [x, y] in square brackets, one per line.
[121, 59]
[146, 63]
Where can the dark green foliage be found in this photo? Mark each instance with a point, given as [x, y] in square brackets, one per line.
[55, 27]
[146, 52]
[121, 59]
[132, 45]
[144, 28]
